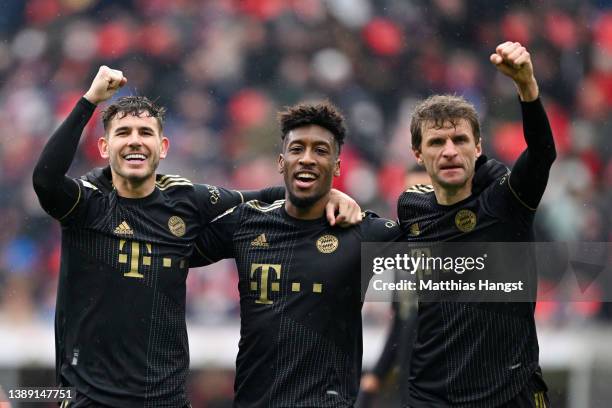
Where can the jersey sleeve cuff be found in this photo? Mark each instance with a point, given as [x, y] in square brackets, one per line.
[86, 105]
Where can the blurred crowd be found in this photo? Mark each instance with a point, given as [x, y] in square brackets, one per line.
[223, 68]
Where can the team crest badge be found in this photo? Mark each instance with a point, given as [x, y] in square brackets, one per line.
[176, 226]
[465, 220]
[327, 244]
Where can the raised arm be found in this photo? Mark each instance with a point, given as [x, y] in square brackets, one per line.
[57, 193]
[530, 173]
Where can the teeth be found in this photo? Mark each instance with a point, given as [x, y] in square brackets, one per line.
[136, 156]
[306, 176]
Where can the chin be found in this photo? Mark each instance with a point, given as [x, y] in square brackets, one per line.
[135, 176]
[303, 201]
[453, 183]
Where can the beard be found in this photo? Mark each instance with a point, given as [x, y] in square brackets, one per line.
[304, 202]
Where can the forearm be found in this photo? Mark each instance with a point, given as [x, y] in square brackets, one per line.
[538, 134]
[530, 173]
[53, 188]
[58, 153]
[266, 195]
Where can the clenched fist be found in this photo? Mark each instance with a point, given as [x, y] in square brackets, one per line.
[513, 60]
[105, 84]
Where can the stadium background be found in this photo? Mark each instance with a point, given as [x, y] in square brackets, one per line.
[223, 68]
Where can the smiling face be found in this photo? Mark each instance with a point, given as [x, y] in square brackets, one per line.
[449, 154]
[308, 163]
[134, 146]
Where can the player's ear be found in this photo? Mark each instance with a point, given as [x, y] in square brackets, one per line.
[281, 163]
[418, 155]
[337, 168]
[479, 148]
[103, 147]
[165, 145]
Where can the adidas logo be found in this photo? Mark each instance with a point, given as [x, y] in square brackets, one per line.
[124, 229]
[260, 241]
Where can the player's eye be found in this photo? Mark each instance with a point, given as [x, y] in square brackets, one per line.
[321, 150]
[295, 149]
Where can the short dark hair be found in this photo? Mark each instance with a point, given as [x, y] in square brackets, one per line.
[133, 105]
[323, 114]
[438, 110]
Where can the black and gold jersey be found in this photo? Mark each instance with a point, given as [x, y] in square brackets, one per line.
[300, 303]
[479, 354]
[121, 337]
[120, 317]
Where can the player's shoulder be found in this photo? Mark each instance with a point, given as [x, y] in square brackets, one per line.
[371, 218]
[100, 178]
[416, 201]
[88, 190]
[259, 206]
[375, 228]
[172, 182]
[420, 189]
[419, 194]
[250, 207]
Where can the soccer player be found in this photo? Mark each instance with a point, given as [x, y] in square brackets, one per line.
[299, 278]
[397, 350]
[477, 354]
[121, 337]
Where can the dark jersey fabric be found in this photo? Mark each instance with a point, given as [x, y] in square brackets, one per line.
[479, 354]
[300, 303]
[120, 328]
[397, 351]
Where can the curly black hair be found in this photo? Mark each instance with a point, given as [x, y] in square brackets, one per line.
[323, 114]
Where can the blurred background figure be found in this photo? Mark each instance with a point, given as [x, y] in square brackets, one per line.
[224, 67]
[385, 382]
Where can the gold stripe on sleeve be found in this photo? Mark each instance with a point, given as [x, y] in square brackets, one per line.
[75, 203]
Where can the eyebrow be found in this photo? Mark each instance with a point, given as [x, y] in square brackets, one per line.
[122, 128]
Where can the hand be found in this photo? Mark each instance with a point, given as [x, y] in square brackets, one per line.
[349, 212]
[513, 60]
[370, 383]
[105, 84]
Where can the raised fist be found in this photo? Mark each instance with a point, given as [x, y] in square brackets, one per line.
[105, 84]
[513, 60]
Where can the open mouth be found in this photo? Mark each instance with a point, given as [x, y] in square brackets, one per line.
[135, 157]
[305, 179]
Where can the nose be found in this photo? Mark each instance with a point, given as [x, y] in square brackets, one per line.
[134, 139]
[307, 158]
[449, 151]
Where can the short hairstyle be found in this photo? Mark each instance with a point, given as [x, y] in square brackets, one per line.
[133, 105]
[323, 114]
[438, 110]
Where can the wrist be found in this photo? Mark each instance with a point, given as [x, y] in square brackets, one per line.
[528, 91]
[91, 98]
